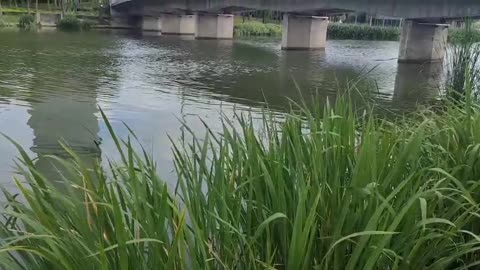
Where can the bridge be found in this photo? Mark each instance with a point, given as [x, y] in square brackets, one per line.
[305, 23]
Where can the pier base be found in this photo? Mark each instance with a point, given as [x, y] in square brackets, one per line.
[153, 24]
[422, 42]
[304, 32]
[214, 26]
[177, 24]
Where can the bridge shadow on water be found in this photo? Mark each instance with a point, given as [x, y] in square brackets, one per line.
[256, 73]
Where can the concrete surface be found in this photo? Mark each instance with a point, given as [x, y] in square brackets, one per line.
[176, 24]
[422, 42]
[214, 26]
[152, 24]
[47, 19]
[304, 32]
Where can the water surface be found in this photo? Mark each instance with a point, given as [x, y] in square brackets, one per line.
[52, 84]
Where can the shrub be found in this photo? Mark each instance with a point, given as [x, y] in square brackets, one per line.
[26, 21]
[457, 36]
[362, 32]
[463, 65]
[335, 31]
[255, 28]
[72, 23]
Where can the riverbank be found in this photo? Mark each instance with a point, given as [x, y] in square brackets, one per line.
[12, 16]
[338, 31]
[335, 30]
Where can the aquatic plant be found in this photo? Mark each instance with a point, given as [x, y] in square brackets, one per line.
[463, 63]
[256, 28]
[362, 32]
[324, 188]
[458, 35]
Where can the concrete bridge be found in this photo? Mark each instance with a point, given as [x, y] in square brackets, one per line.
[305, 23]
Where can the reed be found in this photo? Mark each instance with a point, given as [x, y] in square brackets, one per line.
[322, 189]
[362, 32]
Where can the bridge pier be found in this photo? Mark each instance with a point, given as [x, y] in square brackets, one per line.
[153, 24]
[214, 26]
[304, 32]
[178, 24]
[422, 42]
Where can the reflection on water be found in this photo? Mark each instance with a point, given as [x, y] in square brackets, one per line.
[416, 83]
[66, 119]
[51, 85]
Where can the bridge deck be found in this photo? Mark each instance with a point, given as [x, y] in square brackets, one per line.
[394, 8]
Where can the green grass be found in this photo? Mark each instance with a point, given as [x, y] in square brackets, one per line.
[72, 23]
[362, 32]
[256, 28]
[457, 35]
[342, 31]
[8, 20]
[335, 31]
[463, 58]
[323, 189]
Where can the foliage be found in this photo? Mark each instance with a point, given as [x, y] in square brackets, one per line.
[9, 20]
[463, 71]
[72, 23]
[256, 28]
[324, 189]
[335, 31]
[345, 31]
[459, 35]
[26, 21]
[362, 32]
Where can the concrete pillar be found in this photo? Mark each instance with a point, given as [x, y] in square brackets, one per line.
[47, 19]
[176, 24]
[304, 32]
[152, 24]
[214, 26]
[422, 42]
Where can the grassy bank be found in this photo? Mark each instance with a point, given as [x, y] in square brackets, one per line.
[457, 35]
[335, 31]
[340, 31]
[362, 32]
[8, 20]
[26, 21]
[325, 189]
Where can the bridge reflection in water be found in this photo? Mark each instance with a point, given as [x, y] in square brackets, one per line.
[417, 83]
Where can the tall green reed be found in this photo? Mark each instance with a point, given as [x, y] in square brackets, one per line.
[323, 189]
[463, 62]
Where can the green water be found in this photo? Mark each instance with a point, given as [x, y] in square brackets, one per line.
[52, 84]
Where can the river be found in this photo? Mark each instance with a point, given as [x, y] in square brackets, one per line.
[52, 84]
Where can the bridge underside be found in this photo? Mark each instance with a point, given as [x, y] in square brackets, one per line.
[409, 9]
[154, 10]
